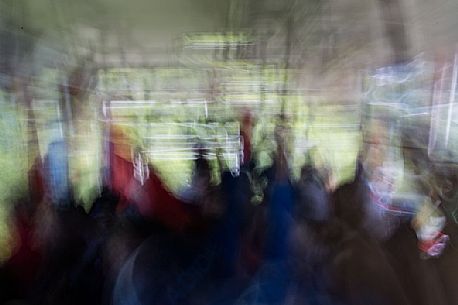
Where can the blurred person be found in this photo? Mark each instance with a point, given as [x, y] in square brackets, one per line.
[64, 235]
[144, 208]
[36, 183]
[312, 238]
[446, 191]
[348, 198]
[246, 130]
[271, 282]
[426, 216]
[99, 262]
[28, 238]
[56, 169]
[313, 195]
[200, 179]
[363, 229]
[139, 186]
[428, 224]
[363, 203]
[280, 200]
[236, 195]
[429, 221]
[18, 274]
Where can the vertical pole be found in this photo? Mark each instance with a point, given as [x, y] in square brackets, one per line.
[451, 100]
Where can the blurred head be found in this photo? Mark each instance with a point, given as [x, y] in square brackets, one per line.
[280, 135]
[327, 178]
[307, 171]
[373, 159]
[202, 172]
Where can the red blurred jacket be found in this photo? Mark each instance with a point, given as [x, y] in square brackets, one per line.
[152, 199]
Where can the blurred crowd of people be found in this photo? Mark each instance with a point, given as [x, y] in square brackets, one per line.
[305, 242]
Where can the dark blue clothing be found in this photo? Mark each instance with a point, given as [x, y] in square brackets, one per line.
[236, 192]
[313, 200]
[279, 220]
